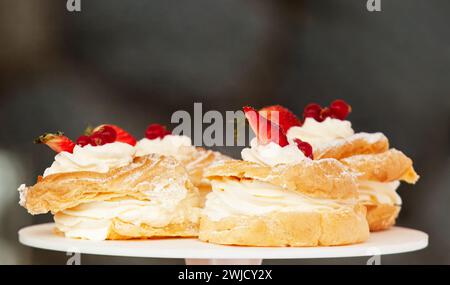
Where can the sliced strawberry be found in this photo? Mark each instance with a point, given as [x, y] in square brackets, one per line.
[265, 130]
[305, 147]
[121, 135]
[58, 142]
[155, 131]
[280, 115]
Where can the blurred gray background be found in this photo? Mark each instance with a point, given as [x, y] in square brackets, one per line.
[136, 62]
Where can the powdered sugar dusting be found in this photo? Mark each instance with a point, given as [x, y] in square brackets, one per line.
[368, 137]
[192, 164]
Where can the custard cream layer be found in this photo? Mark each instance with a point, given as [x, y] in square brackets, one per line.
[372, 192]
[248, 197]
[171, 204]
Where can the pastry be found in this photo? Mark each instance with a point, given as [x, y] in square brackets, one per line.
[98, 189]
[380, 168]
[380, 176]
[279, 196]
[161, 141]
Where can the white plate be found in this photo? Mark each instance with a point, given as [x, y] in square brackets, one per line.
[395, 240]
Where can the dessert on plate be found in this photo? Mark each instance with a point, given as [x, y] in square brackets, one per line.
[279, 196]
[98, 189]
[158, 139]
[380, 168]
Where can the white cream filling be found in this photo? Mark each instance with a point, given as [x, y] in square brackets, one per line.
[92, 220]
[272, 153]
[92, 158]
[371, 192]
[170, 145]
[249, 197]
[318, 134]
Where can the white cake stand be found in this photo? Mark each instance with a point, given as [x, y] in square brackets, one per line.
[395, 240]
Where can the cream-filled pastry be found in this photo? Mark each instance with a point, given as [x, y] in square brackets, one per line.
[99, 189]
[379, 177]
[279, 196]
[312, 203]
[161, 141]
[380, 168]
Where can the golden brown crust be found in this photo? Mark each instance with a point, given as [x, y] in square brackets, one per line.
[325, 178]
[347, 225]
[383, 167]
[381, 216]
[124, 231]
[361, 143]
[121, 230]
[196, 160]
[66, 190]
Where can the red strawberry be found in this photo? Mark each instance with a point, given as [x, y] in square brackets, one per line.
[121, 135]
[286, 119]
[265, 130]
[58, 142]
[305, 147]
[156, 131]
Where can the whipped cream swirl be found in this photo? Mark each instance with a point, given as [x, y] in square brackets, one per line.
[373, 192]
[248, 197]
[272, 153]
[92, 158]
[319, 134]
[169, 145]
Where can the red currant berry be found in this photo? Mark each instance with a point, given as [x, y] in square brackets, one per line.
[313, 107]
[340, 109]
[312, 114]
[325, 113]
[83, 141]
[312, 110]
[96, 139]
[156, 131]
[108, 134]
